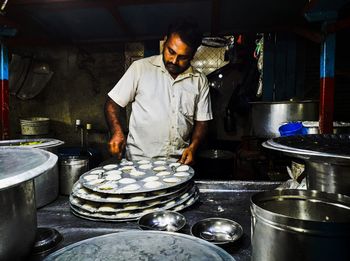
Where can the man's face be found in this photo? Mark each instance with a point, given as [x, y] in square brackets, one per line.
[176, 55]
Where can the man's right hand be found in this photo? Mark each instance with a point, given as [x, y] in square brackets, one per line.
[117, 144]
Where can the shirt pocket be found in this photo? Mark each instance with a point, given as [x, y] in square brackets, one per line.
[187, 108]
[187, 103]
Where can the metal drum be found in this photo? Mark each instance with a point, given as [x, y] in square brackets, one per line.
[300, 225]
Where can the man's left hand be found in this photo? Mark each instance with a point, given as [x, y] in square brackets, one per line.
[187, 157]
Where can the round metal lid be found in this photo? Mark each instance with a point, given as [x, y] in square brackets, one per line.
[31, 143]
[21, 164]
[142, 245]
[321, 145]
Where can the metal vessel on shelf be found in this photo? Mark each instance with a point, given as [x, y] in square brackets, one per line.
[266, 117]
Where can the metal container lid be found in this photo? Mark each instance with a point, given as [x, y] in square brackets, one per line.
[333, 146]
[31, 143]
[142, 245]
[304, 210]
[18, 165]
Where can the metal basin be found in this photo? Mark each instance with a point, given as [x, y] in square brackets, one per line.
[162, 220]
[300, 225]
[46, 185]
[217, 230]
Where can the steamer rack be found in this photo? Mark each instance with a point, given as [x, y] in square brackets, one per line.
[127, 190]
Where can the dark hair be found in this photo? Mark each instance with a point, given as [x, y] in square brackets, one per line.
[189, 32]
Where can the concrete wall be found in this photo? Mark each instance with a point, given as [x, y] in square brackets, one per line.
[82, 78]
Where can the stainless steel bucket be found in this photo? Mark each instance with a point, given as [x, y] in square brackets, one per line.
[328, 176]
[71, 168]
[300, 225]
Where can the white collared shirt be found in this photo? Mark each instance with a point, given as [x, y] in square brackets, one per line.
[163, 109]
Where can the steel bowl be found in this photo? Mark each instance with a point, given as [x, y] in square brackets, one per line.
[217, 230]
[163, 221]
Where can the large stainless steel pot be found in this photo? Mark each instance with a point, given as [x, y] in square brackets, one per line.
[328, 175]
[267, 117]
[18, 221]
[300, 225]
[47, 184]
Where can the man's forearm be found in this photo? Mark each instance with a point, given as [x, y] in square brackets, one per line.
[112, 114]
[198, 135]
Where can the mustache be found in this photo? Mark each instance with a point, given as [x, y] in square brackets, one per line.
[173, 66]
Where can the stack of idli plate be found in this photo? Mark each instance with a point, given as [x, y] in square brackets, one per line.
[128, 190]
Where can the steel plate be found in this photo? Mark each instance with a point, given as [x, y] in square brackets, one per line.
[142, 245]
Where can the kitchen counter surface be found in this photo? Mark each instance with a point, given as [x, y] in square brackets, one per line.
[225, 199]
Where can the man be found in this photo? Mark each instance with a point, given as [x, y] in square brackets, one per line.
[170, 101]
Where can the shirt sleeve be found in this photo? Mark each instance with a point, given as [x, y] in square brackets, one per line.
[203, 109]
[125, 90]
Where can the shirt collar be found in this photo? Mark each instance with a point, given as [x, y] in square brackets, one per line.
[157, 60]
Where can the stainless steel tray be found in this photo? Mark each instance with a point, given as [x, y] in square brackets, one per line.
[142, 245]
[129, 172]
